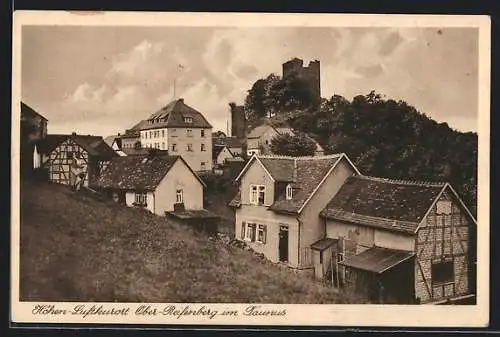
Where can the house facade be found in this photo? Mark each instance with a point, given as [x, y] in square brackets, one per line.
[279, 201]
[33, 130]
[398, 241]
[72, 159]
[182, 131]
[157, 182]
[221, 154]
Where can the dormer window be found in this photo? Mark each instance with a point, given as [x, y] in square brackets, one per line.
[289, 192]
[188, 119]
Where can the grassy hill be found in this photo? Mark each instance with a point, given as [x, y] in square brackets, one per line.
[77, 248]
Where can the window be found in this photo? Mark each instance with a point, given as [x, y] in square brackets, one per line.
[163, 133]
[145, 134]
[202, 132]
[442, 272]
[189, 133]
[257, 194]
[203, 165]
[179, 198]
[289, 192]
[141, 199]
[203, 147]
[443, 207]
[150, 134]
[340, 257]
[190, 147]
[250, 232]
[163, 145]
[188, 119]
[261, 233]
[69, 155]
[174, 147]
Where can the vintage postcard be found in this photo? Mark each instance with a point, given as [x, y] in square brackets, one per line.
[250, 169]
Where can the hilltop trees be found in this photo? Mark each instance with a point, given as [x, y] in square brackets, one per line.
[384, 137]
[293, 145]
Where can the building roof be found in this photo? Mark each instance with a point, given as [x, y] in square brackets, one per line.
[26, 110]
[94, 145]
[230, 142]
[324, 243]
[140, 172]
[258, 131]
[378, 202]
[172, 116]
[377, 259]
[193, 214]
[138, 152]
[110, 139]
[304, 173]
[217, 149]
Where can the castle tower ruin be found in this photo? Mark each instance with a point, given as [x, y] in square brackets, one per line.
[310, 74]
[238, 121]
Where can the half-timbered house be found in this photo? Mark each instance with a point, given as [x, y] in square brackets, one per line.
[395, 241]
[74, 159]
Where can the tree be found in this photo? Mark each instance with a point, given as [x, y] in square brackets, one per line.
[297, 145]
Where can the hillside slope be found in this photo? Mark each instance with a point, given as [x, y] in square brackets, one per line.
[76, 248]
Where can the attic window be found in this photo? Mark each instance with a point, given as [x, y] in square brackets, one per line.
[188, 119]
[443, 207]
[289, 192]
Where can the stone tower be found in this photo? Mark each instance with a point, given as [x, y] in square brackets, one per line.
[238, 121]
[310, 74]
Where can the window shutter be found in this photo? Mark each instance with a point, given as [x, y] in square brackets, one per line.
[264, 239]
[243, 230]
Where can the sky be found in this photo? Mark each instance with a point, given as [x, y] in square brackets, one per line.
[103, 80]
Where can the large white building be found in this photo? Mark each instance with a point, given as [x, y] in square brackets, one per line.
[181, 130]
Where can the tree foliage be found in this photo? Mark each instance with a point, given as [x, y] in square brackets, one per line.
[293, 145]
[384, 137]
[273, 94]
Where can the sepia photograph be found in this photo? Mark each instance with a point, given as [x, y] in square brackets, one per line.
[238, 168]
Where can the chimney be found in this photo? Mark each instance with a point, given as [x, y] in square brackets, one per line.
[73, 133]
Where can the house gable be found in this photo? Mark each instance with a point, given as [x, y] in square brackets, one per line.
[257, 174]
[179, 177]
[445, 236]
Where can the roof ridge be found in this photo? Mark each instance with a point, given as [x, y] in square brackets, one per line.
[403, 181]
[276, 156]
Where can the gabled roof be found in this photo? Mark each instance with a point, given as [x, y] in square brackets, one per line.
[385, 203]
[172, 116]
[141, 172]
[94, 145]
[217, 149]
[26, 110]
[305, 174]
[110, 139]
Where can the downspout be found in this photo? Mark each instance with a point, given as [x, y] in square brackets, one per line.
[298, 234]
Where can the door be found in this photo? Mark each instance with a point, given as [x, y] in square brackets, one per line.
[283, 244]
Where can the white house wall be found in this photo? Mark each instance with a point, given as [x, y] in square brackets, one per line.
[178, 177]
